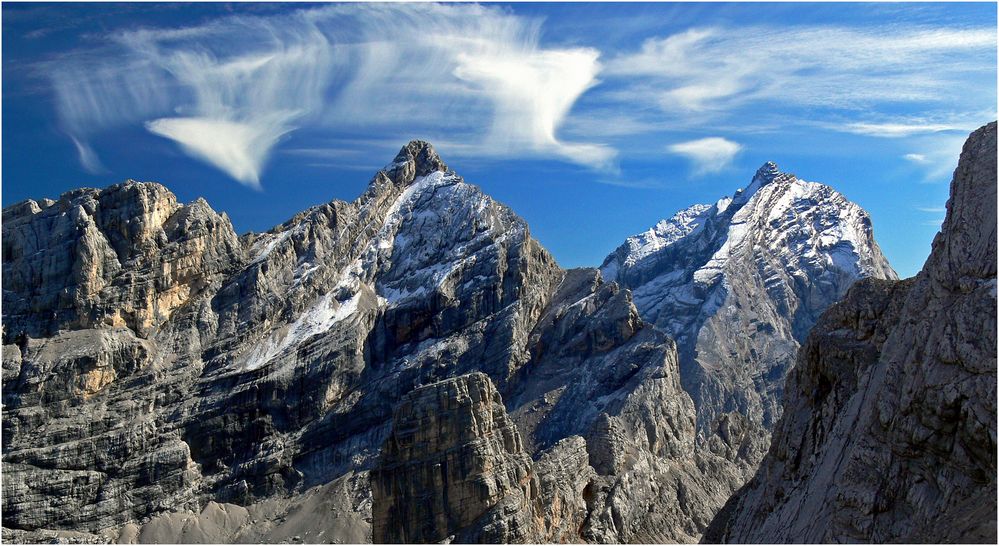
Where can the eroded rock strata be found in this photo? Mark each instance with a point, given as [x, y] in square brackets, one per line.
[454, 468]
[410, 366]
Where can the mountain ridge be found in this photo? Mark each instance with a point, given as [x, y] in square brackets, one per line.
[764, 262]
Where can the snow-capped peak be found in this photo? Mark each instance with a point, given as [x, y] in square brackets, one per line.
[685, 222]
[763, 263]
[772, 206]
[764, 176]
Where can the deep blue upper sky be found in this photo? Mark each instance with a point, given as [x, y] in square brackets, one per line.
[592, 121]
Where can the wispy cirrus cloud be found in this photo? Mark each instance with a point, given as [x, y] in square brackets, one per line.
[225, 91]
[708, 155]
[936, 155]
[896, 130]
[228, 91]
[712, 71]
[88, 158]
[937, 214]
[531, 94]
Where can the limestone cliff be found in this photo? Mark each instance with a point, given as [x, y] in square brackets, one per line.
[454, 468]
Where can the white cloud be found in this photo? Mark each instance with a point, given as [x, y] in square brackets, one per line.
[88, 159]
[936, 155]
[896, 130]
[238, 105]
[228, 90]
[236, 148]
[717, 69]
[934, 210]
[531, 94]
[476, 76]
[708, 155]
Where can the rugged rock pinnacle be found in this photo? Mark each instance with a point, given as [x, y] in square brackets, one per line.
[767, 173]
[415, 159]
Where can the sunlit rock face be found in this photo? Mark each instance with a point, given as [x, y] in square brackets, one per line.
[125, 256]
[889, 427]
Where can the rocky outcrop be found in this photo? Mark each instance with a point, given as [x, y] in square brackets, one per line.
[125, 256]
[739, 284]
[889, 428]
[600, 406]
[454, 468]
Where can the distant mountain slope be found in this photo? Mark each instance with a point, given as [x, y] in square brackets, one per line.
[889, 427]
[740, 283]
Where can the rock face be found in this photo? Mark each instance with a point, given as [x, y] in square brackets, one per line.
[889, 428]
[153, 361]
[739, 284]
[125, 256]
[453, 467]
[165, 380]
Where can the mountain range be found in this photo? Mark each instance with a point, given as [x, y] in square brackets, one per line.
[413, 366]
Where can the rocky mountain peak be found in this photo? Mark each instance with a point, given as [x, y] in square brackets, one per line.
[126, 255]
[415, 159]
[766, 173]
[781, 250]
[964, 250]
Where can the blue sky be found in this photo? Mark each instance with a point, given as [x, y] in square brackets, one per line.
[592, 121]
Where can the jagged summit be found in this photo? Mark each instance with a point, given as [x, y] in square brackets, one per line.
[767, 260]
[420, 156]
[129, 185]
[767, 173]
